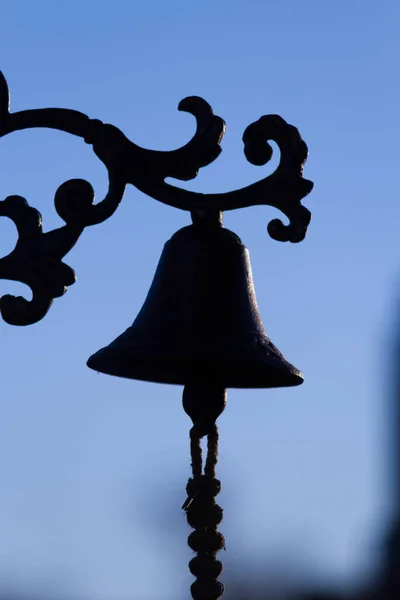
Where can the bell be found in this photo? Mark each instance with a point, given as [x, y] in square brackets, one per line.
[200, 320]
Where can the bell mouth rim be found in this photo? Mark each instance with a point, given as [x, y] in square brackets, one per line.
[241, 374]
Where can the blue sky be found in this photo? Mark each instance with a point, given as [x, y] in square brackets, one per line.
[88, 462]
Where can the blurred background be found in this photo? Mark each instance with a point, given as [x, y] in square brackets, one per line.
[93, 468]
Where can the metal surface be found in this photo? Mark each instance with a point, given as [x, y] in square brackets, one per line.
[37, 258]
[200, 320]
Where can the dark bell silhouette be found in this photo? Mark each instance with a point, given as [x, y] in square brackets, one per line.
[200, 321]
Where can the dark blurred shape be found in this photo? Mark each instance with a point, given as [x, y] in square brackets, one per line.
[388, 584]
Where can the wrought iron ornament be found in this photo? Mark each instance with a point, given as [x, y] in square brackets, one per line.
[37, 257]
[200, 325]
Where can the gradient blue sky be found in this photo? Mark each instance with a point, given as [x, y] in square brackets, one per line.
[82, 455]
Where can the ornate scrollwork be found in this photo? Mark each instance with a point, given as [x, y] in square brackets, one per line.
[36, 259]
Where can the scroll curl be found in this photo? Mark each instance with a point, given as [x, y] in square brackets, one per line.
[36, 260]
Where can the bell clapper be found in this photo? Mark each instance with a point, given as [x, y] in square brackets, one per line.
[204, 403]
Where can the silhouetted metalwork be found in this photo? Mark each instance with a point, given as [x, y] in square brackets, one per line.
[200, 319]
[37, 257]
[200, 326]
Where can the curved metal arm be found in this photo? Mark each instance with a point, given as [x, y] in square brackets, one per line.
[36, 259]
